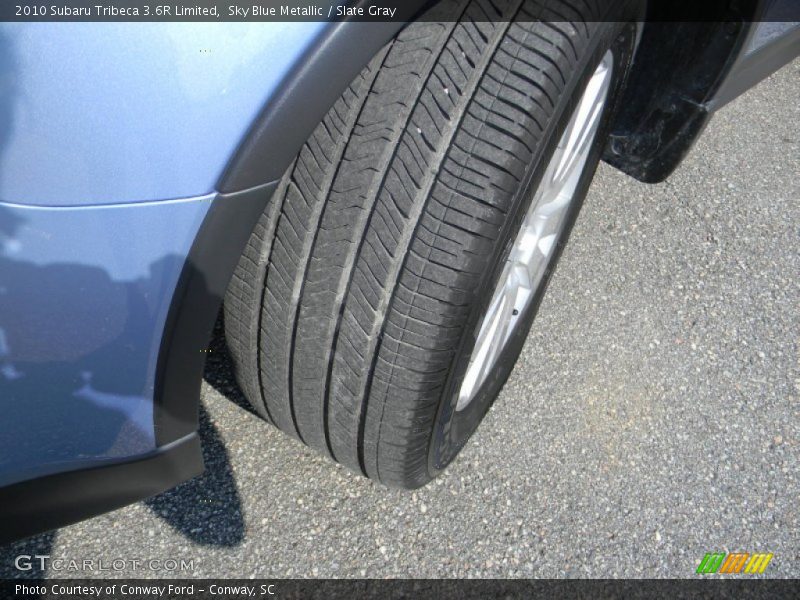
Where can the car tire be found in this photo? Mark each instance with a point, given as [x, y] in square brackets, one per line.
[355, 312]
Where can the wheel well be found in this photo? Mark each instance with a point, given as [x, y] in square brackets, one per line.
[661, 115]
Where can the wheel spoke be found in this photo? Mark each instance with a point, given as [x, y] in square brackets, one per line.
[540, 230]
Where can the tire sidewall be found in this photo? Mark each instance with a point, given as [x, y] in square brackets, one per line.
[453, 429]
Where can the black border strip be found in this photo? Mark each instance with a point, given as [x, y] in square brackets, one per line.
[372, 11]
[442, 589]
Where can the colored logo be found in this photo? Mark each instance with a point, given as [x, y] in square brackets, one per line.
[737, 562]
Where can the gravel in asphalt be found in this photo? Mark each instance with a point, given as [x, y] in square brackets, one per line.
[654, 415]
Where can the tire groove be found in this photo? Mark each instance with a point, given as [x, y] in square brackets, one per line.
[340, 316]
[487, 56]
[348, 123]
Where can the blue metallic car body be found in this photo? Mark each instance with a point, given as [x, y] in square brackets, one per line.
[84, 295]
[107, 113]
[112, 139]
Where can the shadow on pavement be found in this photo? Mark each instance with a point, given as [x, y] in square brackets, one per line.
[206, 510]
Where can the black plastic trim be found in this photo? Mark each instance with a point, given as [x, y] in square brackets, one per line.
[677, 70]
[41, 504]
[683, 73]
[195, 306]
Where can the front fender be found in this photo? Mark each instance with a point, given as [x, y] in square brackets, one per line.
[107, 113]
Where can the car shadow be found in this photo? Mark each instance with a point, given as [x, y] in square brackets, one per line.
[207, 509]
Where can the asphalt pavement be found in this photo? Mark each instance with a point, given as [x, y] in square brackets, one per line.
[654, 415]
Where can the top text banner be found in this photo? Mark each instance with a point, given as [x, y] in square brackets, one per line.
[375, 10]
